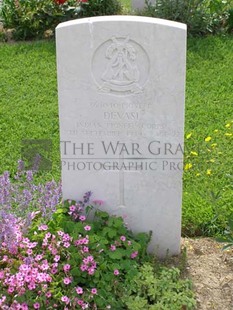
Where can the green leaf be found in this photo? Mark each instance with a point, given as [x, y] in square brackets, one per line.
[115, 254]
[221, 239]
[75, 271]
[112, 233]
[228, 246]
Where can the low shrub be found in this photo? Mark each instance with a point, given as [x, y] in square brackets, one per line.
[159, 290]
[31, 19]
[230, 21]
[201, 17]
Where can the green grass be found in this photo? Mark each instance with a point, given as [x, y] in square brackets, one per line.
[207, 199]
[29, 110]
[28, 102]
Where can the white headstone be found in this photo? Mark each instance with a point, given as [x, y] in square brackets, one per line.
[121, 84]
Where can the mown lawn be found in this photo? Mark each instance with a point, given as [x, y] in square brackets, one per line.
[29, 110]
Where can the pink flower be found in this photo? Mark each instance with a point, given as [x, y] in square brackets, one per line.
[48, 294]
[85, 240]
[48, 235]
[27, 279]
[134, 254]
[32, 245]
[24, 306]
[1, 274]
[123, 238]
[54, 251]
[72, 208]
[83, 267]
[77, 242]
[116, 272]
[29, 251]
[42, 227]
[87, 227]
[82, 218]
[36, 305]
[56, 258]
[10, 290]
[66, 244]
[79, 290]
[113, 247]
[54, 270]
[91, 271]
[85, 249]
[66, 267]
[65, 299]
[67, 281]
[31, 286]
[66, 237]
[94, 291]
[90, 258]
[45, 266]
[38, 257]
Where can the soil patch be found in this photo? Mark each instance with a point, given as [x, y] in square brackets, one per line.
[211, 271]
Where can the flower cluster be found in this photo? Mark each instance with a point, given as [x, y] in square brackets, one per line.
[17, 200]
[208, 148]
[41, 265]
[67, 262]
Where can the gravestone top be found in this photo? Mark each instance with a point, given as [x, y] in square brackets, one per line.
[122, 18]
[121, 83]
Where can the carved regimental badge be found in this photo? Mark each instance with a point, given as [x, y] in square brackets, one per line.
[120, 66]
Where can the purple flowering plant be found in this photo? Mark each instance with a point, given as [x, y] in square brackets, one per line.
[21, 199]
[71, 256]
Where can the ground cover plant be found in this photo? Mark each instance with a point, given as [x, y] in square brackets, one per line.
[28, 109]
[53, 256]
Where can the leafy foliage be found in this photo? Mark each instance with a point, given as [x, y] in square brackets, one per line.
[70, 262]
[159, 290]
[228, 234]
[30, 19]
[100, 8]
[36, 19]
[201, 17]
